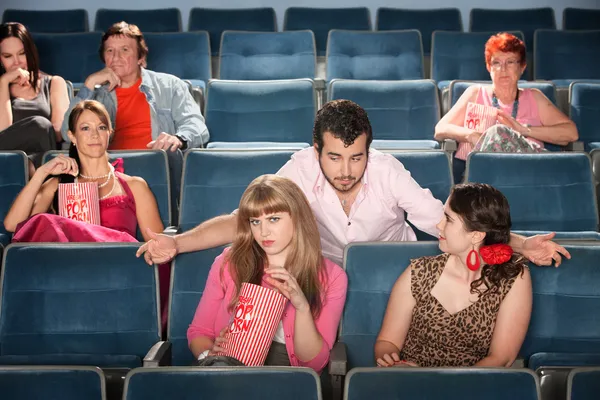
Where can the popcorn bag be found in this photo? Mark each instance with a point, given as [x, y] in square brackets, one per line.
[479, 117]
[255, 319]
[79, 201]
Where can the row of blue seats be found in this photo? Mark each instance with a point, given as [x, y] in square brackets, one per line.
[319, 20]
[562, 56]
[555, 194]
[403, 114]
[270, 383]
[97, 305]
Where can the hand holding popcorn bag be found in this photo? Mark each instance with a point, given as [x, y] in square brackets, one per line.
[79, 201]
[255, 319]
[478, 118]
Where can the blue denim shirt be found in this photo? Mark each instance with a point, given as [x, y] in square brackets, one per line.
[172, 107]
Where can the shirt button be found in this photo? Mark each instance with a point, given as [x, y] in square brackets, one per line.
[288, 336]
[284, 315]
[349, 223]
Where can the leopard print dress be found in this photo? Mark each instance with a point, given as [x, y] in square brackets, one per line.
[437, 338]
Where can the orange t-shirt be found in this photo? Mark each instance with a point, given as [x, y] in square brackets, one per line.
[133, 129]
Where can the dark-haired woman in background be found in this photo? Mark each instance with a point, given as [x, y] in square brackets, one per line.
[125, 201]
[469, 306]
[32, 104]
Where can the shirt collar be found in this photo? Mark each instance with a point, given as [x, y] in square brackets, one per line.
[146, 81]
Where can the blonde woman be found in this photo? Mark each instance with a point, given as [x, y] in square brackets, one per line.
[277, 245]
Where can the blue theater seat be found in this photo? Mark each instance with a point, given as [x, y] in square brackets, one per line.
[267, 55]
[388, 55]
[149, 20]
[425, 21]
[399, 111]
[251, 383]
[261, 111]
[52, 383]
[215, 21]
[14, 167]
[49, 21]
[322, 20]
[442, 384]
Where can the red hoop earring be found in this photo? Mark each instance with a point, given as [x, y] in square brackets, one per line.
[473, 266]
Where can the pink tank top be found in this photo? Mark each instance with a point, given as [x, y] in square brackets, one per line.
[528, 114]
[118, 212]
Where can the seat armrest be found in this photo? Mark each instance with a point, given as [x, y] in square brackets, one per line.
[449, 145]
[320, 84]
[171, 231]
[575, 146]
[338, 359]
[159, 355]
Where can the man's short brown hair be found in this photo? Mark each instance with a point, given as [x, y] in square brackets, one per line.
[128, 30]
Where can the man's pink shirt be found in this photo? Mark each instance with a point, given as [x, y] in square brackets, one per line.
[378, 211]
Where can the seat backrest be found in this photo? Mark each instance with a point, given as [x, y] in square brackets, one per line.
[460, 55]
[253, 383]
[457, 88]
[442, 383]
[526, 20]
[562, 320]
[73, 56]
[425, 21]
[183, 54]
[39, 382]
[584, 384]
[368, 292]
[14, 176]
[387, 55]
[214, 180]
[65, 300]
[152, 165]
[46, 21]
[566, 54]
[581, 19]
[322, 20]
[267, 55]
[584, 101]
[215, 21]
[398, 110]
[546, 192]
[154, 20]
[261, 111]
[430, 168]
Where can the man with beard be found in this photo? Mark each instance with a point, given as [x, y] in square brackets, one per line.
[357, 194]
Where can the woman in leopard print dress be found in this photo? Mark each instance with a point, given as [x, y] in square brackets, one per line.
[445, 310]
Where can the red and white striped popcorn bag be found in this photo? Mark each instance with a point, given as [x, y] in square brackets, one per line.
[255, 319]
[478, 118]
[79, 201]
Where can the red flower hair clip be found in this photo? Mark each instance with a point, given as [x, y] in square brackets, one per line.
[496, 253]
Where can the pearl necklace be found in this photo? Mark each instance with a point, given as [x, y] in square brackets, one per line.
[110, 174]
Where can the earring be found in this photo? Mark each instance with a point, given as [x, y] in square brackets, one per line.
[473, 265]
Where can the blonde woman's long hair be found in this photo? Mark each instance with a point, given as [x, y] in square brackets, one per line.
[271, 194]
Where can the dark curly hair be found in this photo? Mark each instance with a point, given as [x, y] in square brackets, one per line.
[484, 208]
[345, 120]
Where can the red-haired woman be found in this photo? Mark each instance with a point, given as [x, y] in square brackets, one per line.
[526, 118]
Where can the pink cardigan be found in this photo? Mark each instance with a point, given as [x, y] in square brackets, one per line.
[212, 314]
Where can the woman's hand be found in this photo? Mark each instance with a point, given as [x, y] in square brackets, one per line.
[506, 119]
[474, 137]
[393, 360]
[218, 343]
[286, 284]
[19, 77]
[59, 165]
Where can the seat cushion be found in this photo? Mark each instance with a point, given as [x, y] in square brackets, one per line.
[257, 145]
[538, 360]
[404, 144]
[583, 235]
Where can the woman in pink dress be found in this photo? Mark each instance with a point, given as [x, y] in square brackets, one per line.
[526, 118]
[126, 202]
